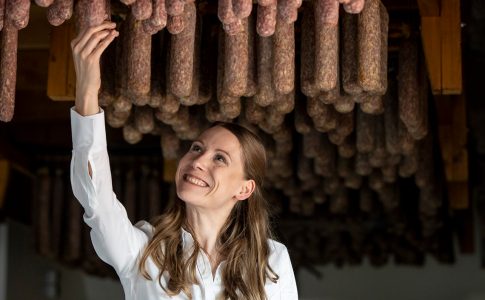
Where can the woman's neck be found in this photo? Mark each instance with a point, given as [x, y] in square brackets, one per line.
[206, 226]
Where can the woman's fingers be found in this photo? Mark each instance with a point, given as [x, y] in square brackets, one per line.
[84, 36]
[103, 44]
[93, 43]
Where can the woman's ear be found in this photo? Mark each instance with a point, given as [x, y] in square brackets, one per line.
[246, 190]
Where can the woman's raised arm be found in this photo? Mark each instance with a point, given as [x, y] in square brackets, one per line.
[87, 48]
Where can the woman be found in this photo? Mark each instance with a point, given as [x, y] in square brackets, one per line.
[213, 243]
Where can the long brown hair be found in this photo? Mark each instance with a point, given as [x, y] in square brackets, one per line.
[242, 241]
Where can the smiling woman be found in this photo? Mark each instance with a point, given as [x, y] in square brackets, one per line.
[214, 242]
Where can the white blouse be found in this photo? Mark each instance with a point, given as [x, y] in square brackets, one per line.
[120, 244]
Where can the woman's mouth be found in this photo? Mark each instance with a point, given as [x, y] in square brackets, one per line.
[194, 180]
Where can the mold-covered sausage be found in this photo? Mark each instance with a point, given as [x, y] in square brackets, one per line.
[158, 19]
[242, 8]
[90, 13]
[365, 129]
[175, 7]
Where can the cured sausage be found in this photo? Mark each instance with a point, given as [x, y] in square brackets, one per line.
[354, 6]
[266, 93]
[372, 104]
[225, 11]
[60, 11]
[2, 13]
[142, 9]
[17, 11]
[307, 57]
[350, 62]
[391, 118]
[175, 7]
[8, 70]
[303, 123]
[131, 134]
[266, 19]
[193, 98]
[369, 41]
[284, 58]
[43, 3]
[365, 129]
[144, 121]
[116, 119]
[138, 62]
[236, 62]
[326, 44]
[253, 112]
[288, 10]
[252, 81]
[90, 13]
[158, 19]
[242, 8]
[182, 55]
[347, 148]
[345, 126]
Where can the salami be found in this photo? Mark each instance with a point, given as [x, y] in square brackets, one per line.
[242, 8]
[365, 129]
[372, 104]
[8, 70]
[284, 58]
[225, 11]
[138, 62]
[266, 19]
[2, 13]
[142, 9]
[266, 93]
[158, 19]
[326, 44]
[131, 134]
[175, 7]
[44, 3]
[182, 55]
[144, 121]
[288, 11]
[349, 54]
[307, 49]
[60, 11]
[253, 112]
[90, 13]
[252, 81]
[17, 11]
[236, 62]
[369, 41]
[354, 6]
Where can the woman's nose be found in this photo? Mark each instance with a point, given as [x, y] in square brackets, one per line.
[200, 162]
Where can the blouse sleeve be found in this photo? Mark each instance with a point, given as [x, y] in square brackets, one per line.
[116, 241]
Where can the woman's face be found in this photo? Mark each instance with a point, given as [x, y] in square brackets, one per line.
[211, 174]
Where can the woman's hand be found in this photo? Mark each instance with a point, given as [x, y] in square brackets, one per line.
[87, 48]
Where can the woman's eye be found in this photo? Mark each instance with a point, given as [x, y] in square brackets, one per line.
[196, 148]
[220, 158]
